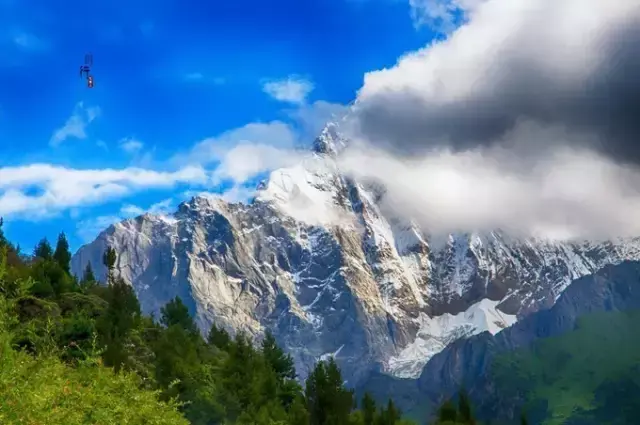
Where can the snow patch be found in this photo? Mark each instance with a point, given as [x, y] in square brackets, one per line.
[437, 332]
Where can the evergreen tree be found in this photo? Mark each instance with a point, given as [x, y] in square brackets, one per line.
[175, 313]
[43, 250]
[328, 401]
[3, 239]
[280, 362]
[390, 415]
[523, 419]
[219, 337]
[122, 314]
[368, 409]
[109, 260]
[62, 255]
[88, 276]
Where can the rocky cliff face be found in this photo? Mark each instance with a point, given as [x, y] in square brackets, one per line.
[467, 362]
[374, 291]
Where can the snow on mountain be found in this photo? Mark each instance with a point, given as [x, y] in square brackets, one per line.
[438, 332]
[315, 260]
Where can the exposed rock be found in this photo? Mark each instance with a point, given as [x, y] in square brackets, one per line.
[314, 259]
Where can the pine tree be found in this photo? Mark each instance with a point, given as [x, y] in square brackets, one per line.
[280, 362]
[219, 337]
[62, 255]
[368, 409]
[328, 401]
[115, 325]
[3, 239]
[523, 419]
[109, 260]
[88, 276]
[175, 313]
[43, 250]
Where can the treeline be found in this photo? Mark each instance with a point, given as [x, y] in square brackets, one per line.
[78, 351]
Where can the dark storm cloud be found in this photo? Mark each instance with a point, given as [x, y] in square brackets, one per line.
[566, 63]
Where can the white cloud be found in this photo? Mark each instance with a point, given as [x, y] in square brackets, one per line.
[521, 120]
[294, 89]
[213, 149]
[567, 195]
[41, 190]
[246, 160]
[76, 125]
[131, 146]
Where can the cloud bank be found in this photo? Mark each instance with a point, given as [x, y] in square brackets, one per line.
[525, 118]
[40, 190]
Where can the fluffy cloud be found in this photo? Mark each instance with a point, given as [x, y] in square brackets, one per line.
[293, 89]
[40, 190]
[571, 63]
[244, 152]
[525, 119]
[76, 125]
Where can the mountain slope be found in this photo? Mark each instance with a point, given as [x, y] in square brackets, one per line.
[314, 259]
[510, 370]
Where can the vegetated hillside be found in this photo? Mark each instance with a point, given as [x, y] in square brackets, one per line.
[588, 376]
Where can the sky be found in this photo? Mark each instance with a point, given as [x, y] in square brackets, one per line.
[167, 78]
[476, 115]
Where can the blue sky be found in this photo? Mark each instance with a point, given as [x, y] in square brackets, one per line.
[168, 77]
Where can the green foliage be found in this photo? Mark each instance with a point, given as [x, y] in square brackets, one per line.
[42, 390]
[574, 377]
[62, 255]
[175, 313]
[218, 337]
[328, 401]
[43, 250]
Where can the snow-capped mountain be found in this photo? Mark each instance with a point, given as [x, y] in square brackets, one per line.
[315, 260]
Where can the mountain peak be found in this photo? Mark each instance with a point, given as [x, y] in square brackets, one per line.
[330, 141]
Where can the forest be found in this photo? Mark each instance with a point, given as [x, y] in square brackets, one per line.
[78, 351]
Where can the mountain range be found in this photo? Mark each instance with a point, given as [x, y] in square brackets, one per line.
[315, 259]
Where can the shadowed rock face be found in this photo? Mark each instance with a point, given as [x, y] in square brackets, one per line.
[467, 362]
[375, 292]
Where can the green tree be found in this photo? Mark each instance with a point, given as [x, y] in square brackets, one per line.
[109, 260]
[43, 250]
[280, 362]
[121, 316]
[62, 255]
[175, 313]
[328, 401]
[219, 337]
[368, 409]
